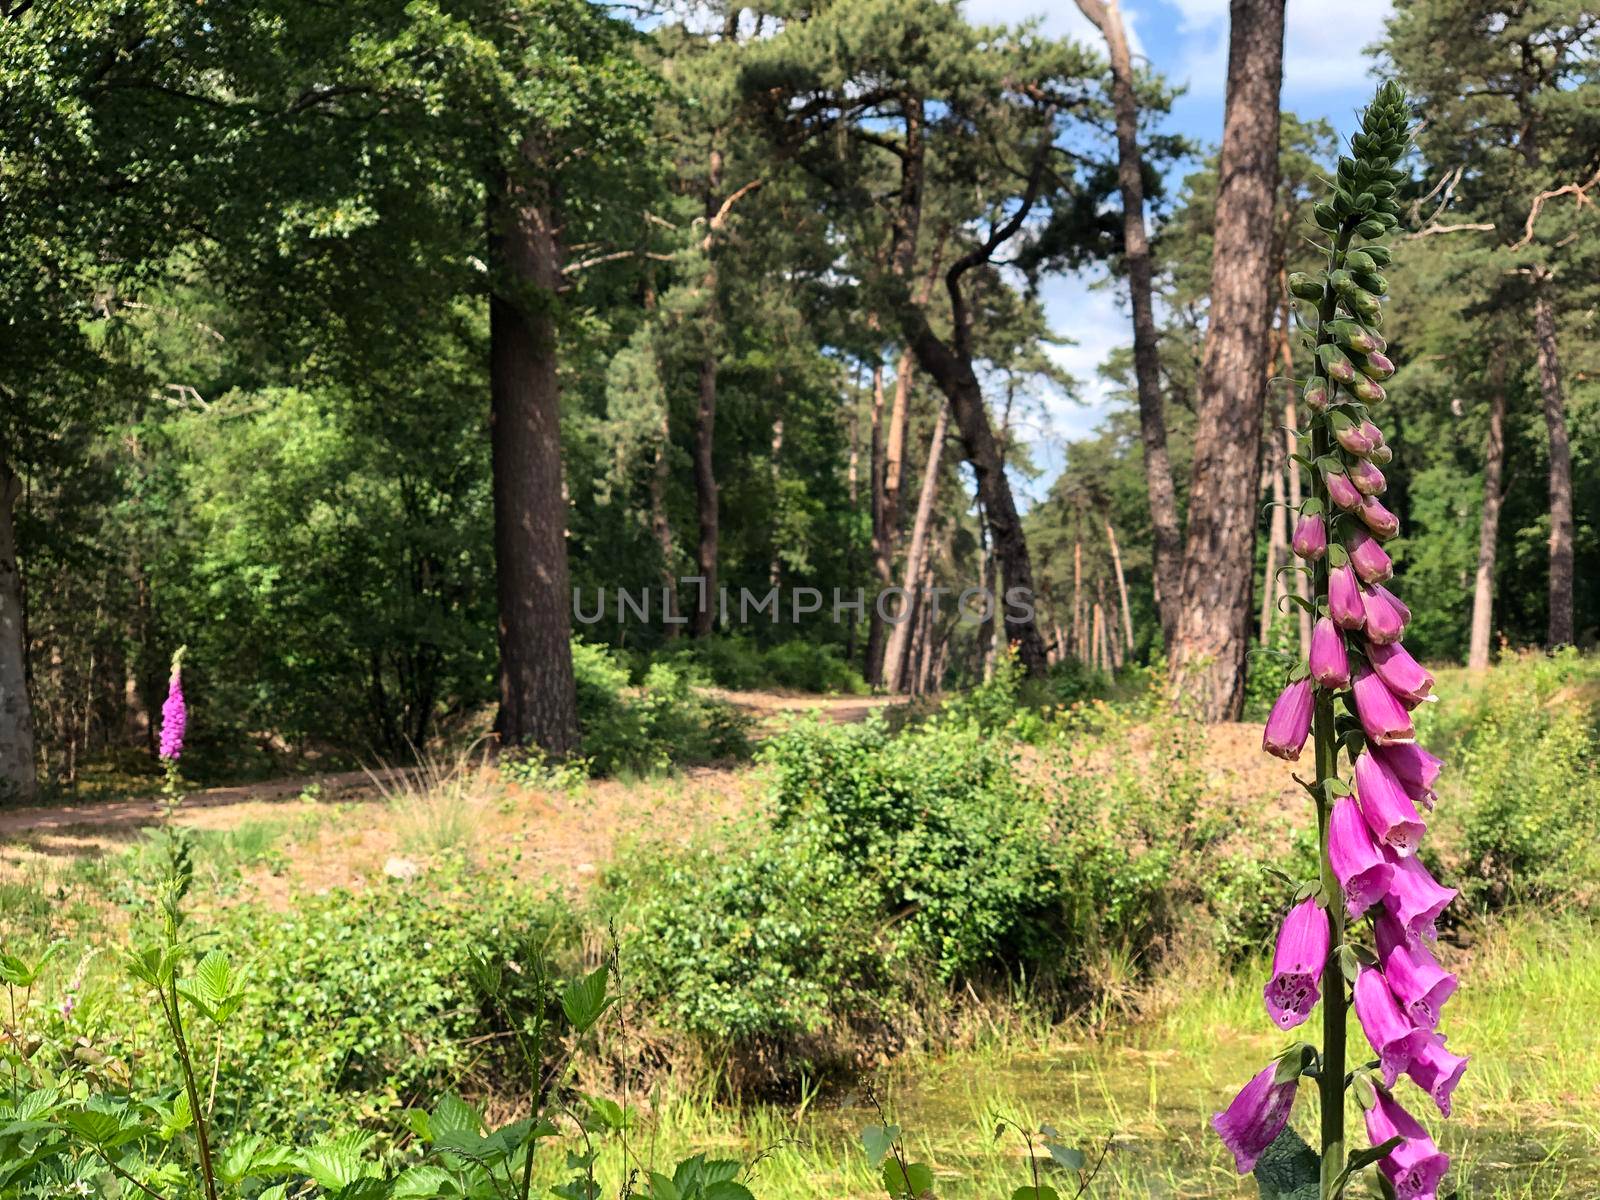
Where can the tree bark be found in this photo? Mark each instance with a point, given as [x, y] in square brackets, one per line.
[882, 558]
[1168, 541]
[1080, 639]
[895, 661]
[1291, 420]
[1272, 589]
[1122, 587]
[661, 524]
[17, 775]
[1213, 636]
[538, 697]
[1494, 457]
[1559, 631]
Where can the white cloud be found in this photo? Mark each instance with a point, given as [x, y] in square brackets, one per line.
[1059, 18]
[1322, 52]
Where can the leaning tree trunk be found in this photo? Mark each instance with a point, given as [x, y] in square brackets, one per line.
[1208, 654]
[538, 697]
[1559, 631]
[896, 660]
[1494, 458]
[1168, 541]
[17, 780]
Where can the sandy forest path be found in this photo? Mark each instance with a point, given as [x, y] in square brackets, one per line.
[339, 828]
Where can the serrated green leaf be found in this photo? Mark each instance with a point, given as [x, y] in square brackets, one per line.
[877, 1140]
[1288, 1169]
[908, 1183]
[584, 1000]
[1029, 1192]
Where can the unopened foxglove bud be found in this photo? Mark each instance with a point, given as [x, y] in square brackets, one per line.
[1344, 598]
[1376, 365]
[1305, 287]
[1380, 520]
[1335, 362]
[1341, 491]
[1368, 391]
[1316, 394]
[1310, 537]
[1385, 614]
[1371, 560]
[1381, 455]
[1368, 480]
[1330, 661]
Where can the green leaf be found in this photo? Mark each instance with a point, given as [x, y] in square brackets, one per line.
[584, 1000]
[1365, 1158]
[1068, 1158]
[728, 1189]
[1288, 1169]
[662, 1188]
[877, 1140]
[914, 1180]
[1029, 1192]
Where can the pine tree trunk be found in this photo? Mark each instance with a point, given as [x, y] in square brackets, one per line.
[1272, 589]
[1559, 631]
[661, 524]
[1168, 542]
[1494, 457]
[1122, 587]
[17, 777]
[1080, 638]
[705, 493]
[538, 697]
[1291, 420]
[1208, 654]
[882, 560]
[895, 661]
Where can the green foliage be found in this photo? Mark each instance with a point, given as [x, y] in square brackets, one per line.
[667, 720]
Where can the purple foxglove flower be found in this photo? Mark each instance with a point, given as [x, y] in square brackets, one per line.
[1289, 722]
[1414, 1167]
[1372, 433]
[1386, 617]
[1402, 674]
[1344, 598]
[1420, 985]
[174, 717]
[1341, 491]
[1395, 1038]
[1368, 391]
[1415, 897]
[1414, 767]
[1311, 537]
[1297, 963]
[1330, 662]
[1383, 523]
[1368, 479]
[1363, 873]
[1389, 813]
[1383, 718]
[1255, 1118]
[1354, 438]
[1371, 561]
[1377, 366]
[1436, 1071]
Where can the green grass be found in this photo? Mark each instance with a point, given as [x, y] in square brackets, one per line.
[1526, 1122]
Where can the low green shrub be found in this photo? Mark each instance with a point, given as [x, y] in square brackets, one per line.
[812, 667]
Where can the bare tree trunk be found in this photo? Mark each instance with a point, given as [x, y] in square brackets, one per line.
[1146, 358]
[882, 558]
[900, 639]
[1494, 458]
[775, 567]
[1061, 643]
[1122, 586]
[538, 697]
[17, 777]
[705, 491]
[1080, 633]
[988, 644]
[1208, 654]
[660, 524]
[1559, 631]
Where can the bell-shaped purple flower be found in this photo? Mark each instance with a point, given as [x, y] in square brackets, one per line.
[1330, 661]
[1341, 491]
[1395, 1038]
[1368, 479]
[1383, 718]
[1385, 615]
[1289, 722]
[1383, 523]
[1389, 813]
[1354, 438]
[1436, 1071]
[1416, 1166]
[1297, 964]
[1415, 897]
[174, 716]
[1420, 985]
[1370, 560]
[1414, 767]
[1402, 674]
[1363, 873]
[1345, 604]
[1310, 540]
[1255, 1118]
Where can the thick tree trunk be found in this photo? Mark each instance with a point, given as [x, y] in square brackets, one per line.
[17, 778]
[1559, 630]
[896, 660]
[955, 377]
[1213, 636]
[538, 698]
[1168, 541]
[1494, 459]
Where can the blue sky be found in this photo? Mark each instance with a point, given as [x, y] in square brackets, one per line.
[1326, 74]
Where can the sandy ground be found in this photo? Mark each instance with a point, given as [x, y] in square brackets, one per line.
[350, 829]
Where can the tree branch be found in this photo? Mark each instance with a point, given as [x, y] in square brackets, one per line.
[1580, 190]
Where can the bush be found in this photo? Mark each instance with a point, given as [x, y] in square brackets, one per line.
[737, 663]
[664, 722]
[812, 667]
